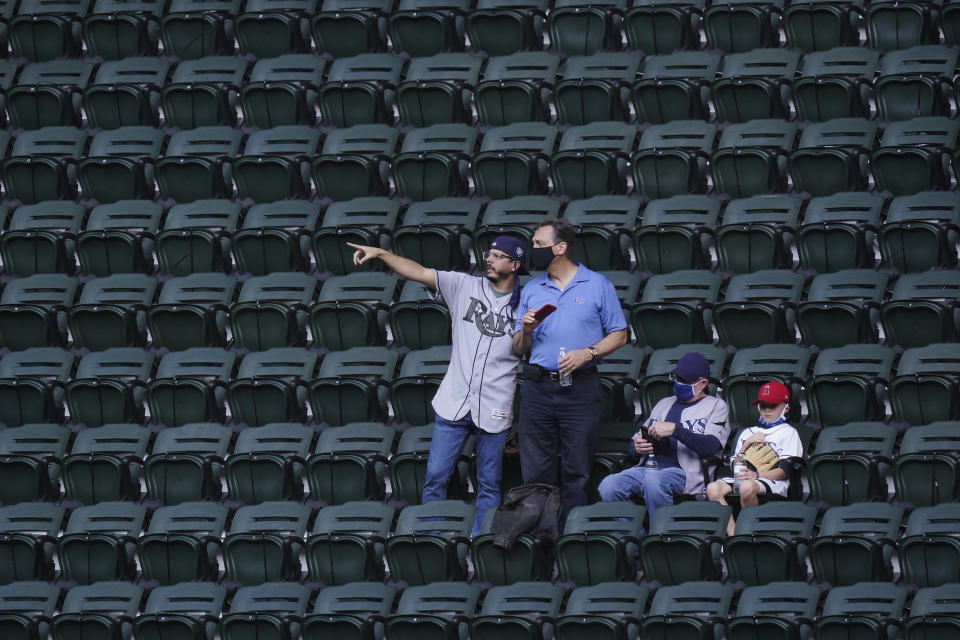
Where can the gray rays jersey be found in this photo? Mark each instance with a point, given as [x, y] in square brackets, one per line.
[482, 376]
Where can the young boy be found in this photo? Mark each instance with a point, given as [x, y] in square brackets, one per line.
[773, 401]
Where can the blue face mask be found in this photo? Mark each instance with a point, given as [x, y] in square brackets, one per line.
[780, 420]
[684, 392]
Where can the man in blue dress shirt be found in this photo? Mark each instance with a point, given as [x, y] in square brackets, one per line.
[559, 424]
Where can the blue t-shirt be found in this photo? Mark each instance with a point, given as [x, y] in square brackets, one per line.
[587, 310]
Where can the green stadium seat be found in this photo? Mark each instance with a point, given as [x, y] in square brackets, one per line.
[29, 532]
[120, 164]
[838, 232]
[189, 386]
[42, 164]
[192, 311]
[755, 84]
[204, 92]
[438, 89]
[832, 156]
[109, 387]
[275, 163]
[352, 385]
[267, 463]
[271, 28]
[603, 225]
[270, 386]
[427, 27]
[434, 161]
[757, 233]
[119, 238]
[282, 91]
[925, 469]
[193, 29]
[349, 463]
[513, 160]
[835, 83]
[181, 609]
[112, 312]
[351, 310]
[118, 29]
[48, 94]
[346, 544]
[275, 236]
[344, 28]
[182, 543]
[263, 546]
[185, 463]
[595, 87]
[271, 311]
[100, 610]
[516, 88]
[856, 544]
[33, 311]
[842, 308]
[196, 237]
[503, 27]
[98, 545]
[360, 90]
[355, 162]
[671, 158]
[430, 542]
[584, 27]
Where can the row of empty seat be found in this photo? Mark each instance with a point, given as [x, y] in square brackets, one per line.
[849, 230]
[428, 543]
[604, 612]
[449, 160]
[529, 86]
[190, 28]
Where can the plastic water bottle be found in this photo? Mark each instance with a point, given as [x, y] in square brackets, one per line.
[739, 464]
[651, 461]
[566, 379]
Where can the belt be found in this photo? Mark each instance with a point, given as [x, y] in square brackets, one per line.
[536, 372]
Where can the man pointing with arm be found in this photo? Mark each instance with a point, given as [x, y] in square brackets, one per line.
[476, 394]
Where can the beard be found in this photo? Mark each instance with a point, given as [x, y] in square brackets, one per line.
[494, 275]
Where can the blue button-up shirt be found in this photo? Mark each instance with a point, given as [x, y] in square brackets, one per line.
[587, 310]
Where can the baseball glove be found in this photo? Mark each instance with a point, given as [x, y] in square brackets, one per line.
[760, 456]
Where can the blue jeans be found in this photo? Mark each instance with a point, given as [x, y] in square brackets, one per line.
[445, 447]
[656, 486]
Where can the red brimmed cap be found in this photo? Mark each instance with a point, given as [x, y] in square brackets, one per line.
[772, 393]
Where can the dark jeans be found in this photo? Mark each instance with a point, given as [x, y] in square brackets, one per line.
[558, 431]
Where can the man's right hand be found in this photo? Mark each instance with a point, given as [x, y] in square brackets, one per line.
[364, 253]
[642, 446]
[529, 322]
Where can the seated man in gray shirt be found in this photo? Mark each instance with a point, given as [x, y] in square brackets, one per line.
[681, 430]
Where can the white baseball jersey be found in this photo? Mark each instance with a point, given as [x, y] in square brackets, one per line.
[783, 439]
[482, 376]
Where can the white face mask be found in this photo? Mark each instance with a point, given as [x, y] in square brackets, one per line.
[780, 420]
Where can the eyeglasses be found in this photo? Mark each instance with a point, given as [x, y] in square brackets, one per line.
[496, 256]
[674, 378]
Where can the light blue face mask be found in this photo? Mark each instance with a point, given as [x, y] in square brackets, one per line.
[780, 420]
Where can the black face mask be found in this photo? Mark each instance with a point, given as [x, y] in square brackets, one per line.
[541, 257]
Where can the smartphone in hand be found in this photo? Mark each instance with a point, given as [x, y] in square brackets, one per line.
[543, 312]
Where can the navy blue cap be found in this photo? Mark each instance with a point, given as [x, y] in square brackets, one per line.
[692, 366]
[510, 246]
